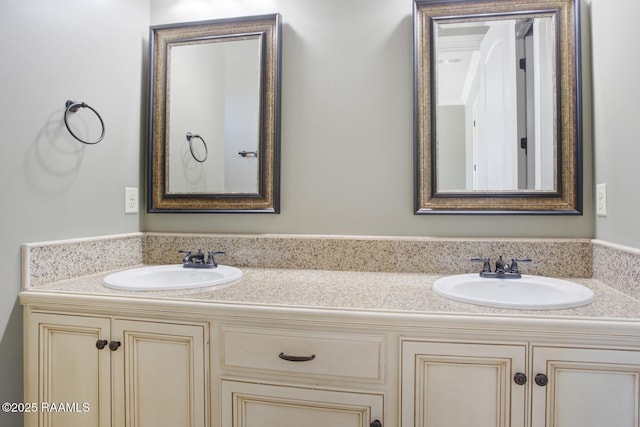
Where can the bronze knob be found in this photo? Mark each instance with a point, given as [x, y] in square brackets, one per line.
[520, 378]
[541, 380]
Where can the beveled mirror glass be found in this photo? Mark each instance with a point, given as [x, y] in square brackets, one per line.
[215, 116]
[497, 107]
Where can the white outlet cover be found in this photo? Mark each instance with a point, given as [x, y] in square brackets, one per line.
[601, 199]
[130, 200]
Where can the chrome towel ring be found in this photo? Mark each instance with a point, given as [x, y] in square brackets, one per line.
[190, 138]
[73, 106]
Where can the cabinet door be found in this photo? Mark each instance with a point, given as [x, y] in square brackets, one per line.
[247, 404]
[586, 388]
[66, 376]
[452, 384]
[160, 374]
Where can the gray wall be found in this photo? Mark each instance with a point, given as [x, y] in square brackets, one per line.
[616, 113]
[53, 187]
[347, 129]
[453, 154]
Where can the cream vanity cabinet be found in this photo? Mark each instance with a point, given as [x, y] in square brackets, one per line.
[110, 371]
[494, 384]
[586, 387]
[202, 364]
[462, 384]
[294, 377]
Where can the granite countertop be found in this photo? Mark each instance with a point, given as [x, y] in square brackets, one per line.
[353, 290]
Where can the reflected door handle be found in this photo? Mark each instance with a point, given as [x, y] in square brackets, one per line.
[244, 153]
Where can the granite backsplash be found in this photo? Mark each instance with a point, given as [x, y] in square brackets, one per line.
[60, 260]
[614, 265]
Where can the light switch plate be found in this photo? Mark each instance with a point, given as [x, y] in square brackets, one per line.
[130, 200]
[601, 199]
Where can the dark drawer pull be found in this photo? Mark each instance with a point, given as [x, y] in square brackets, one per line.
[296, 358]
[100, 344]
[376, 423]
[114, 345]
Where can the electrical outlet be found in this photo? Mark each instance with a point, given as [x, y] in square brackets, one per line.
[601, 199]
[130, 200]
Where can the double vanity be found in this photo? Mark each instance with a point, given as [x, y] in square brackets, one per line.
[314, 347]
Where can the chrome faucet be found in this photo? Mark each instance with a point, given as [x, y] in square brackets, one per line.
[196, 260]
[502, 269]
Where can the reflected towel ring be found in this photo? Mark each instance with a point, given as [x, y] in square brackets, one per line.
[190, 138]
[73, 106]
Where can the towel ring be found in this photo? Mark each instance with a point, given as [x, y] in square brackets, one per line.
[73, 106]
[190, 138]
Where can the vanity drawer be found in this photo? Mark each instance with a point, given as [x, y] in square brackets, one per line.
[327, 354]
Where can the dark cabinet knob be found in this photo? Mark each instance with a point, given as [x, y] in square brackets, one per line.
[114, 345]
[520, 378]
[376, 423]
[100, 344]
[541, 380]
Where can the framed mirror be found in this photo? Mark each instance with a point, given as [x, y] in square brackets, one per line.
[214, 116]
[497, 107]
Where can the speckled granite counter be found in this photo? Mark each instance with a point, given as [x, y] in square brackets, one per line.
[359, 291]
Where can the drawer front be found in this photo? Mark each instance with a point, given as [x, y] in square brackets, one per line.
[310, 353]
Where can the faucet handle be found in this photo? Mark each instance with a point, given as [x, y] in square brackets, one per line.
[514, 264]
[192, 258]
[210, 257]
[186, 255]
[486, 266]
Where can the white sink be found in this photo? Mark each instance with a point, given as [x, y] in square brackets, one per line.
[172, 277]
[528, 292]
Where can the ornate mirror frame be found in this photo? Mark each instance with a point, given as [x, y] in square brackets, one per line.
[267, 28]
[566, 199]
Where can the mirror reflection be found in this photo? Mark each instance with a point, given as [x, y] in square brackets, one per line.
[497, 107]
[495, 104]
[214, 125]
[215, 98]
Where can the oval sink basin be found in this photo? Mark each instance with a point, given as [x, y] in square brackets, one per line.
[171, 277]
[528, 292]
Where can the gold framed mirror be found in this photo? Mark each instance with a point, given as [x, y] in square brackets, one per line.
[497, 107]
[214, 116]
